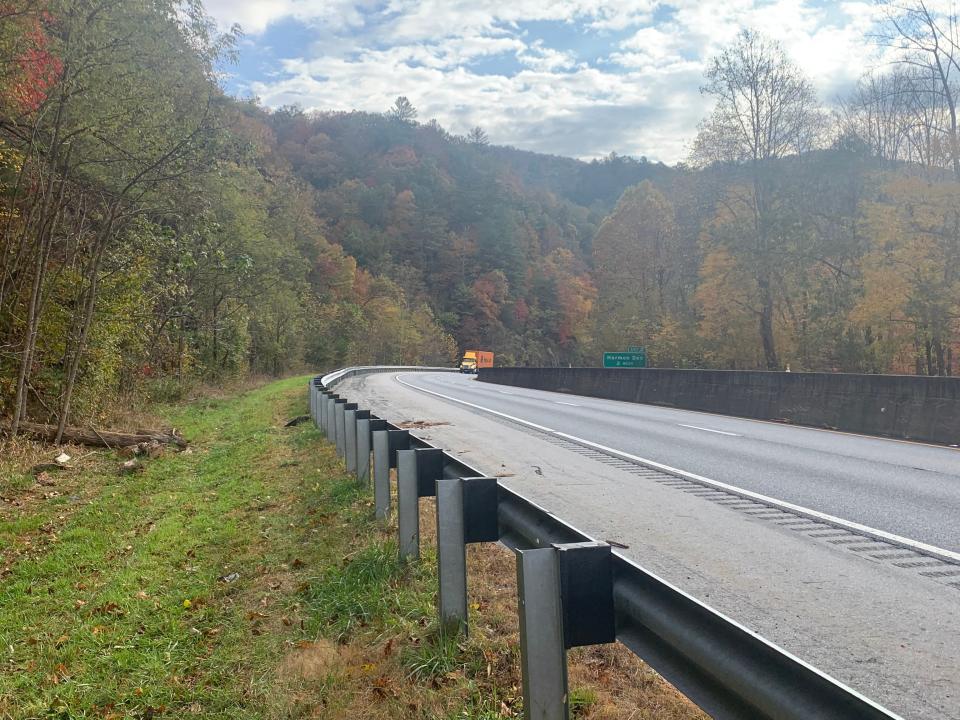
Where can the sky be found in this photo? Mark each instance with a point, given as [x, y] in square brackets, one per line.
[579, 78]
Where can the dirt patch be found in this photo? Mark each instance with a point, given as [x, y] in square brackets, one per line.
[310, 661]
[419, 424]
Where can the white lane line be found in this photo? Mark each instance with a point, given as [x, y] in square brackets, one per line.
[920, 547]
[718, 432]
[505, 392]
[561, 402]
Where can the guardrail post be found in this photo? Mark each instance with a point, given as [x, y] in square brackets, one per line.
[565, 600]
[385, 446]
[466, 513]
[543, 656]
[342, 427]
[328, 399]
[417, 473]
[351, 419]
[408, 515]
[331, 415]
[451, 556]
[365, 429]
[350, 439]
[338, 425]
[322, 397]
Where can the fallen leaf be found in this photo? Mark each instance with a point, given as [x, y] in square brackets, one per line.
[44, 479]
[110, 608]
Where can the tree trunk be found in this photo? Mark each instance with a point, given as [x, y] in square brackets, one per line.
[766, 324]
[89, 306]
[19, 402]
[97, 438]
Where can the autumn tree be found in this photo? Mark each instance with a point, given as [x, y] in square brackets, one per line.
[911, 274]
[636, 259]
[765, 111]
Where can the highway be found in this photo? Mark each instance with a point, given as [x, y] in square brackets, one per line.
[909, 489]
[881, 616]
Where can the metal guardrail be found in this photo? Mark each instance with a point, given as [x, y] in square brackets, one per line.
[573, 590]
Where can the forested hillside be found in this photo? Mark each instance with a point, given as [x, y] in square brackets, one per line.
[150, 234]
[488, 237]
[154, 231]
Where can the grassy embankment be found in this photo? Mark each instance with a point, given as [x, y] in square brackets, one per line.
[246, 579]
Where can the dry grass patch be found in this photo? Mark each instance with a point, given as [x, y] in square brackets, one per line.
[406, 669]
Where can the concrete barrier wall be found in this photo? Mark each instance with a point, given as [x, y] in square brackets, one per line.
[900, 406]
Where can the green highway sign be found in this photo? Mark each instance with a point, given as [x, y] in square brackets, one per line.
[625, 359]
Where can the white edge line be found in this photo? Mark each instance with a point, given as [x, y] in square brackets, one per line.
[561, 402]
[921, 547]
[718, 432]
[542, 428]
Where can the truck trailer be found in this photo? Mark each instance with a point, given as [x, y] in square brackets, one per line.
[473, 360]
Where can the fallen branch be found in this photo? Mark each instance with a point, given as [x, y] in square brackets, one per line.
[101, 438]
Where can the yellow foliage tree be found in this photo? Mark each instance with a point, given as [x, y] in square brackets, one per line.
[911, 274]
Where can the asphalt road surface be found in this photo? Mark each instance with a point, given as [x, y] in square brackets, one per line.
[881, 616]
[909, 489]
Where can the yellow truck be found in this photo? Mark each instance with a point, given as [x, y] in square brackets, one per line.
[473, 360]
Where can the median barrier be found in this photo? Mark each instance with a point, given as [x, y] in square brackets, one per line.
[574, 591]
[908, 407]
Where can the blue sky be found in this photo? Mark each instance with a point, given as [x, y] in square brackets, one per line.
[570, 77]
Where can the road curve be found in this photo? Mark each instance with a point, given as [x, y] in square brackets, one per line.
[880, 618]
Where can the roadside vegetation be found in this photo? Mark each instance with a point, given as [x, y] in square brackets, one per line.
[156, 232]
[246, 578]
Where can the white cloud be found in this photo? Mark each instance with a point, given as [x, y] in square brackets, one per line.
[254, 16]
[640, 96]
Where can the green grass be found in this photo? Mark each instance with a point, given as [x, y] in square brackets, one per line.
[122, 613]
[115, 604]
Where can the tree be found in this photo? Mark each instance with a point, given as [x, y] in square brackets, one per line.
[403, 110]
[766, 110]
[877, 115]
[928, 38]
[478, 137]
[636, 260]
[912, 274]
